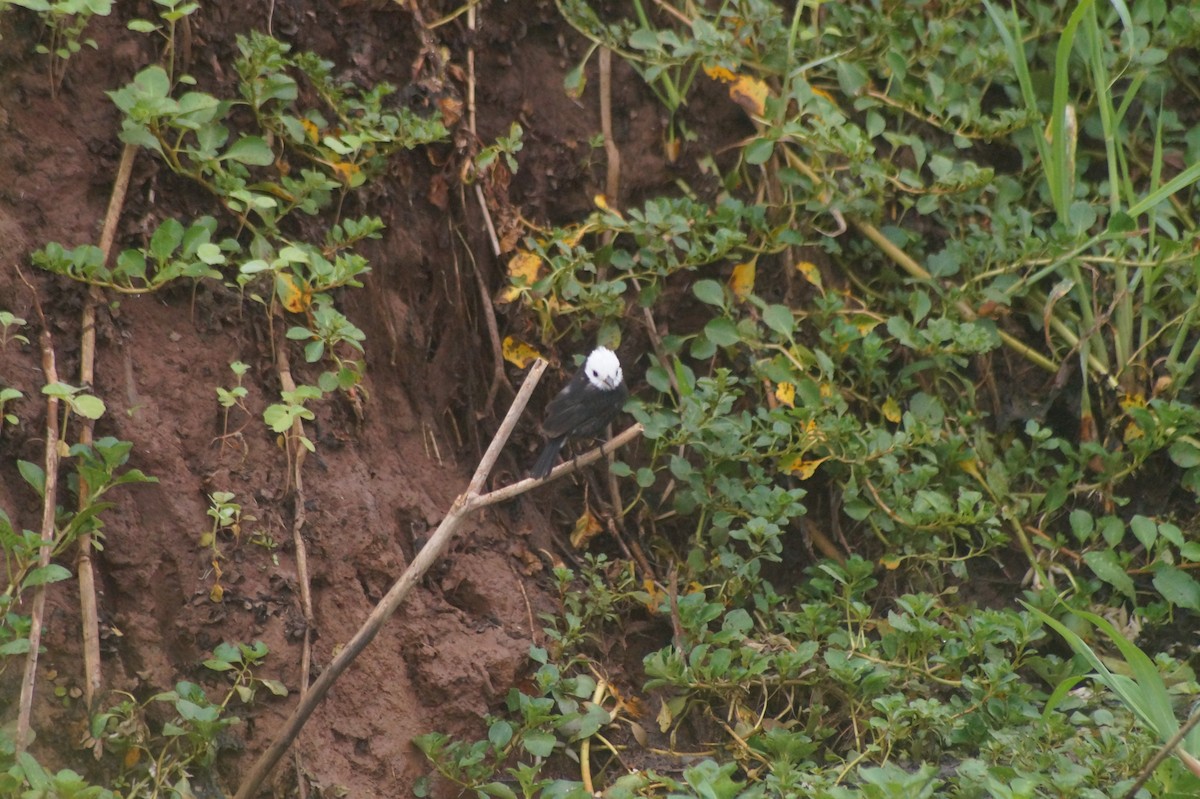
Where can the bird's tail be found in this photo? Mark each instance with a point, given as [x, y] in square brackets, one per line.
[545, 461]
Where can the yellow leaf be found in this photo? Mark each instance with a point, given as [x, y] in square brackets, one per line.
[717, 72]
[601, 202]
[517, 352]
[971, 467]
[826, 390]
[1137, 400]
[295, 294]
[741, 282]
[786, 394]
[1132, 432]
[822, 93]
[891, 410]
[808, 270]
[523, 269]
[804, 469]
[751, 94]
[310, 128]
[654, 597]
[586, 528]
[216, 594]
[890, 562]
[665, 717]
[345, 171]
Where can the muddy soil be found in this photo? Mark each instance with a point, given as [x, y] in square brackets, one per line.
[384, 473]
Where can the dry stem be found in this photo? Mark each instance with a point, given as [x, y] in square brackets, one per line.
[299, 518]
[49, 500]
[88, 612]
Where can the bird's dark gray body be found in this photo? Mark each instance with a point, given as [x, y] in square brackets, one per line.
[584, 407]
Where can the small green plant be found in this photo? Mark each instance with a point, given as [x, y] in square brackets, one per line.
[227, 518]
[174, 252]
[1138, 684]
[281, 416]
[66, 21]
[176, 756]
[7, 395]
[24, 776]
[100, 468]
[171, 12]
[230, 398]
[506, 146]
[559, 713]
[9, 321]
[233, 397]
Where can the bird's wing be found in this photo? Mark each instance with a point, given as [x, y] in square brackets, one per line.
[566, 411]
[580, 410]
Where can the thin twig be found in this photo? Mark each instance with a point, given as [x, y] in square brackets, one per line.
[499, 377]
[612, 182]
[487, 219]
[88, 610]
[565, 468]
[299, 518]
[49, 501]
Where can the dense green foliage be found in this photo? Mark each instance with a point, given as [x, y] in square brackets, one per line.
[960, 318]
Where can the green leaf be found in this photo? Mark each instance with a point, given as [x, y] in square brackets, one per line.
[500, 733]
[594, 719]
[88, 406]
[251, 150]
[575, 81]
[166, 240]
[33, 475]
[43, 575]
[538, 744]
[1184, 454]
[1177, 587]
[1082, 524]
[498, 789]
[278, 418]
[1120, 223]
[275, 687]
[722, 332]
[210, 254]
[1105, 565]
[1145, 529]
[759, 151]
[710, 292]
[18, 647]
[779, 318]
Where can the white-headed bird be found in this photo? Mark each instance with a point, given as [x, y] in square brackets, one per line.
[584, 407]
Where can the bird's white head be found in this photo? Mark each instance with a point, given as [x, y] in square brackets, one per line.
[603, 369]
